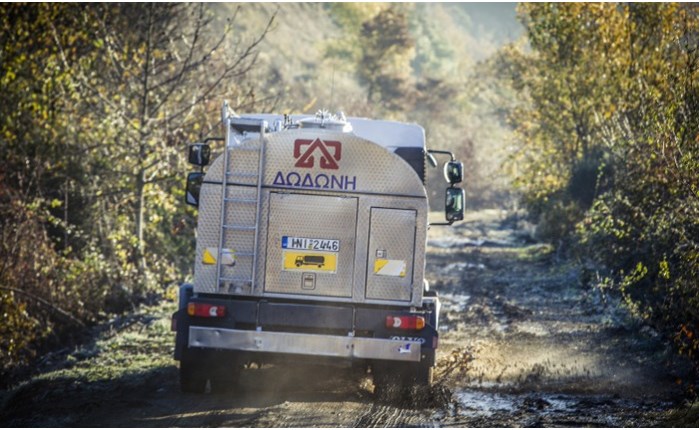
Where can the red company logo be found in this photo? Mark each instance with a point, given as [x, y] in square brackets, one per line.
[304, 151]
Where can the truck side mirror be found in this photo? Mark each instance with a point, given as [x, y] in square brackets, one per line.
[199, 154]
[454, 172]
[454, 204]
[194, 181]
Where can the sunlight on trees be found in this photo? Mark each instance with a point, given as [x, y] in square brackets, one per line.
[99, 104]
[609, 131]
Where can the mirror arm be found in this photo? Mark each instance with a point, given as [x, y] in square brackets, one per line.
[439, 223]
[436, 151]
[214, 139]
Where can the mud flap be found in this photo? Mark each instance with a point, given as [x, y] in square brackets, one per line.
[180, 320]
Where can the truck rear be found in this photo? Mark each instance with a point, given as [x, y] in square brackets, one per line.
[311, 246]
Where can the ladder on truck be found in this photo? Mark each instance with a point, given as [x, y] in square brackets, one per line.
[245, 227]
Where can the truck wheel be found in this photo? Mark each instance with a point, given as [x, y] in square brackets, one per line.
[192, 376]
[423, 374]
[387, 385]
[392, 382]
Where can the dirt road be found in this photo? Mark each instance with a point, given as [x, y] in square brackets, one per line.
[524, 343]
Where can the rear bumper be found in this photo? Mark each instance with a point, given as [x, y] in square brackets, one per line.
[304, 344]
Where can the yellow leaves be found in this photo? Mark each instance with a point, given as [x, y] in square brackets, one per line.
[8, 77]
[9, 135]
[609, 112]
[664, 269]
[155, 218]
[352, 15]
[172, 293]
[552, 182]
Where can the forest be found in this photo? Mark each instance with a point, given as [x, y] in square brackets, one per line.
[587, 122]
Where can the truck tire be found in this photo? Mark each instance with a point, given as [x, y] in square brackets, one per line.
[392, 381]
[423, 374]
[387, 384]
[192, 376]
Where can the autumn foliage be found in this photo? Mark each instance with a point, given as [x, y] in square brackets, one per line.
[99, 103]
[609, 159]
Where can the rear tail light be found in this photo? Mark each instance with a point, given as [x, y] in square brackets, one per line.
[205, 310]
[412, 322]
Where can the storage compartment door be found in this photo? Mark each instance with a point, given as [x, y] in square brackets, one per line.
[311, 245]
[391, 254]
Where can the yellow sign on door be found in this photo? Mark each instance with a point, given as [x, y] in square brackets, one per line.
[310, 261]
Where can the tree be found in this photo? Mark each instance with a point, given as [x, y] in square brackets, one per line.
[573, 79]
[387, 50]
[610, 105]
[43, 282]
[99, 102]
[151, 77]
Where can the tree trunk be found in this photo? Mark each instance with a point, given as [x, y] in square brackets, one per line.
[143, 152]
[140, 209]
[140, 222]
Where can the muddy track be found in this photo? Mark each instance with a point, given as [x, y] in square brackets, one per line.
[524, 344]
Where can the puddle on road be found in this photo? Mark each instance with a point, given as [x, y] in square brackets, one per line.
[542, 409]
[460, 267]
[454, 302]
[480, 404]
[446, 242]
[531, 328]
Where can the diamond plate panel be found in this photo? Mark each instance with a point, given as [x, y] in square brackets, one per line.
[362, 172]
[362, 269]
[208, 229]
[355, 165]
[391, 239]
[314, 217]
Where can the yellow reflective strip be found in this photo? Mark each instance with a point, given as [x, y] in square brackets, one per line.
[379, 264]
[208, 257]
[390, 267]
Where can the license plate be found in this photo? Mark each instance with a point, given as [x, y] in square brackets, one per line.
[305, 243]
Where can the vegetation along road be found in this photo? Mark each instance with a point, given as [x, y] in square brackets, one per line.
[524, 344]
[583, 118]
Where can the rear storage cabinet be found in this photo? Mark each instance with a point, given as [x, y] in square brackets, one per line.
[391, 254]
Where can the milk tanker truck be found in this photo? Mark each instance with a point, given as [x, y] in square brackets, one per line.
[311, 246]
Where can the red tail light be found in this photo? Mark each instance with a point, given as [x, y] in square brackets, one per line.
[205, 310]
[411, 322]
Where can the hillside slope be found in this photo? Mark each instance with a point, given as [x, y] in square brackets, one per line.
[311, 57]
